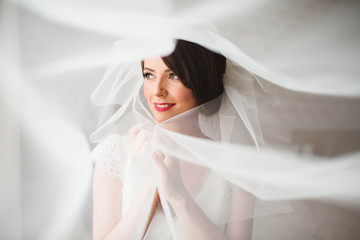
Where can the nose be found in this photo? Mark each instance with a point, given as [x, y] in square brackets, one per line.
[160, 89]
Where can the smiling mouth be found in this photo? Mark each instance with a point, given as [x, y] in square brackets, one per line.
[162, 106]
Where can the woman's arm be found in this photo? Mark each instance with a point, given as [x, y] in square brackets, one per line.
[195, 224]
[106, 203]
[107, 195]
[242, 204]
[107, 220]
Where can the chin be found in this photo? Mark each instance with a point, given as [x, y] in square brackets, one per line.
[161, 119]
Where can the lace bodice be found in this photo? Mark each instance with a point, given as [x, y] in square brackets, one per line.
[109, 155]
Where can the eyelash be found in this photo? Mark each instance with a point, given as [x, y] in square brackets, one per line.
[171, 75]
[146, 75]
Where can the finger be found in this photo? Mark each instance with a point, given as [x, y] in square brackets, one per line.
[159, 161]
[134, 131]
[141, 138]
[159, 154]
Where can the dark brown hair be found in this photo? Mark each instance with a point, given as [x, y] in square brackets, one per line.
[199, 69]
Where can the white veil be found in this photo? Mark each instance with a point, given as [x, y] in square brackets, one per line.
[287, 129]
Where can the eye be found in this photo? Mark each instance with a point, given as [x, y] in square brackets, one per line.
[148, 76]
[173, 76]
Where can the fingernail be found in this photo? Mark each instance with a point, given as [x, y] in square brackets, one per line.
[158, 155]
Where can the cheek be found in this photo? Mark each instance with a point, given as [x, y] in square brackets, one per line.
[186, 96]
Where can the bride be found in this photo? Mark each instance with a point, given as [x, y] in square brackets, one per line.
[126, 201]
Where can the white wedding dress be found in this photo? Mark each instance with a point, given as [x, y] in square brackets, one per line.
[113, 157]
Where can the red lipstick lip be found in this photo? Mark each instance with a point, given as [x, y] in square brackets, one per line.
[162, 109]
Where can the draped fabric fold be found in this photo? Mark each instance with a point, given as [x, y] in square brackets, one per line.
[279, 145]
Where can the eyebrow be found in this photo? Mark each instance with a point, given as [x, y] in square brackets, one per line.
[152, 70]
[149, 69]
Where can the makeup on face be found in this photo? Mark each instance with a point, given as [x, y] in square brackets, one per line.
[165, 93]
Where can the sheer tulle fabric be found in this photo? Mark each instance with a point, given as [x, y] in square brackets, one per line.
[286, 130]
[232, 146]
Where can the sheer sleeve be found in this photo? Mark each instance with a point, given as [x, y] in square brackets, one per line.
[107, 156]
[242, 204]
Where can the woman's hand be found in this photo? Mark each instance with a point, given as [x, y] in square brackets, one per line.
[170, 178]
[194, 222]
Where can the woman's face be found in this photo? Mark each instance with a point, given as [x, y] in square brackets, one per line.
[165, 93]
